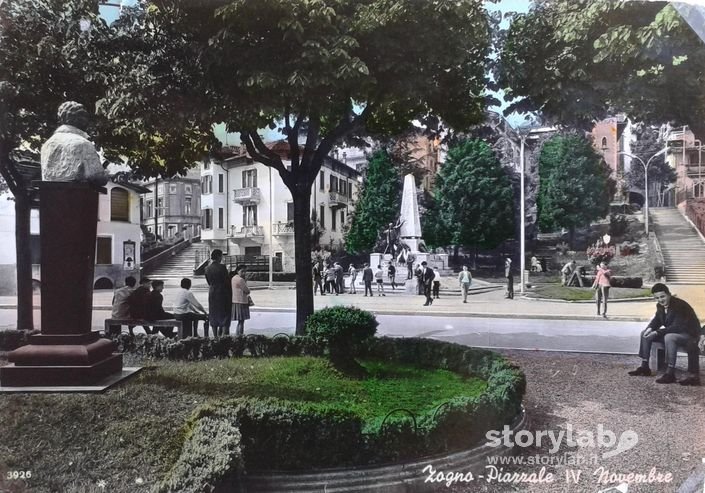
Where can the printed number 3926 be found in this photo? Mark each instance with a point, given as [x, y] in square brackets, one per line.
[19, 474]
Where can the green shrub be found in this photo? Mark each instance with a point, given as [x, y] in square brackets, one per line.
[618, 224]
[343, 329]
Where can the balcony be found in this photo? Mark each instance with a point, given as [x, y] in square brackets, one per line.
[252, 233]
[247, 196]
[283, 229]
[695, 171]
[336, 199]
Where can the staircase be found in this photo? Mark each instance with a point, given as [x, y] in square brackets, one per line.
[178, 266]
[683, 249]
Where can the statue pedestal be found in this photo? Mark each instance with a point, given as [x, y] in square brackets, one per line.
[67, 352]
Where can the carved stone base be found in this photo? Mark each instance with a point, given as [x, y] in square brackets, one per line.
[59, 376]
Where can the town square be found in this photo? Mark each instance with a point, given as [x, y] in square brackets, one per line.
[352, 245]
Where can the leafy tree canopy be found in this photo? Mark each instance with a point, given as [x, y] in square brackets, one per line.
[577, 60]
[575, 185]
[378, 203]
[474, 199]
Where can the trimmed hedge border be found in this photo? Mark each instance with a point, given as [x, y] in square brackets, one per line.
[280, 435]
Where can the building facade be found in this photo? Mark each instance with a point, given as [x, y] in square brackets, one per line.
[685, 155]
[247, 210]
[117, 242]
[613, 139]
[171, 208]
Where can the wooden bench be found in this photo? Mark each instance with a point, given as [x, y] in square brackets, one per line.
[150, 323]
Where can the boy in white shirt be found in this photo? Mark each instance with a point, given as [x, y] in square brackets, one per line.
[189, 310]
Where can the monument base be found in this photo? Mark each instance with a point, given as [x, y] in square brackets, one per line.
[52, 364]
[14, 375]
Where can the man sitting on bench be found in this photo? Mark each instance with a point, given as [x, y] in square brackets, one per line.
[121, 306]
[154, 309]
[676, 325]
[189, 310]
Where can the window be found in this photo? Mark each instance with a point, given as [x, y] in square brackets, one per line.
[221, 182]
[187, 189]
[104, 250]
[342, 217]
[249, 215]
[172, 187]
[349, 189]
[160, 206]
[342, 184]
[207, 165]
[322, 181]
[221, 217]
[254, 250]
[322, 219]
[187, 205]
[207, 184]
[159, 232]
[604, 143]
[207, 219]
[333, 183]
[289, 211]
[119, 205]
[249, 178]
[333, 219]
[149, 212]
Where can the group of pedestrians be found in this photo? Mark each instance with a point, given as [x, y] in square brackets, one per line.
[228, 300]
[228, 296]
[328, 278]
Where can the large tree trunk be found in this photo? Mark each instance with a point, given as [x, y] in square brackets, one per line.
[302, 259]
[24, 263]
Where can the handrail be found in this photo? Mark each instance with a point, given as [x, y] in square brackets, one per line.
[173, 250]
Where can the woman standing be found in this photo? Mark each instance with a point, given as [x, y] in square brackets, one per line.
[218, 295]
[603, 281]
[241, 299]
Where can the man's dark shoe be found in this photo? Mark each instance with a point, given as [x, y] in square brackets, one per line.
[640, 372]
[694, 381]
[666, 378]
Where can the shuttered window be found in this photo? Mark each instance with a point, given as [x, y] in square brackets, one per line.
[119, 205]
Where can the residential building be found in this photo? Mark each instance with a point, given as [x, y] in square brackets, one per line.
[613, 138]
[685, 155]
[117, 242]
[247, 210]
[174, 211]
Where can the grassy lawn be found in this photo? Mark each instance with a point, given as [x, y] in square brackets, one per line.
[131, 435]
[558, 292]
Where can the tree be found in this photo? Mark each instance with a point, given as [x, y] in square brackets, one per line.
[574, 184]
[660, 172]
[578, 60]
[328, 69]
[378, 203]
[474, 199]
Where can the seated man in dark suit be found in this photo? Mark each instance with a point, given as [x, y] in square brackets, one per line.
[154, 309]
[675, 324]
[137, 302]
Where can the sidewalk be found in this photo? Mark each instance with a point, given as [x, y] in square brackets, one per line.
[483, 303]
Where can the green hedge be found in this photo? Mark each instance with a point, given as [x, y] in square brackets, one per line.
[211, 458]
[284, 435]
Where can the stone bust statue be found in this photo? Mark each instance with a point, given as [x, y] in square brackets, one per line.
[68, 155]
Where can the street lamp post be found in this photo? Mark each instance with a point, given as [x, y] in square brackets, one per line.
[522, 228]
[646, 183]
